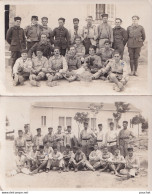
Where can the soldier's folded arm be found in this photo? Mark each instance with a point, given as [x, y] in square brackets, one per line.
[143, 34]
[9, 36]
[125, 36]
[32, 50]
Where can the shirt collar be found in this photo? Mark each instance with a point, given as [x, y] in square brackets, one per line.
[56, 57]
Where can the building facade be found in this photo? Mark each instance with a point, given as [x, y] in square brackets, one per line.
[46, 115]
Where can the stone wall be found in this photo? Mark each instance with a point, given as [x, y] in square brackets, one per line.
[12, 14]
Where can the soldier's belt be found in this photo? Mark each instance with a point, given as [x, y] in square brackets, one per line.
[86, 139]
[28, 140]
[99, 140]
[124, 137]
[20, 146]
[117, 72]
[111, 142]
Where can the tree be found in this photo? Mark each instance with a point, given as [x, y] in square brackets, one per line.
[80, 118]
[95, 108]
[121, 107]
[139, 119]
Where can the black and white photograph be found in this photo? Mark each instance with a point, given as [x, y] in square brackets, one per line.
[62, 143]
[77, 48]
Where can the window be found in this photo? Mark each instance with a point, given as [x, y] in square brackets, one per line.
[93, 123]
[110, 10]
[61, 121]
[43, 120]
[109, 120]
[68, 121]
[100, 9]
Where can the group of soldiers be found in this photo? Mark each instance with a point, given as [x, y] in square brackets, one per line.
[92, 150]
[93, 52]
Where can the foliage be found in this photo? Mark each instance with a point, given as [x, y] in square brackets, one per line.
[81, 117]
[95, 108]
[139, 119]
[121, 107]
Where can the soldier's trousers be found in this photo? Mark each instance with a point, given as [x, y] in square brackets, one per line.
[55, 163]
[40, 76]
[54, 76]
[112, 148]
[14, 56]
[87, 44]
[119, 47]
[20, 78]
[86, 149]
[134, 54]
[123, 149]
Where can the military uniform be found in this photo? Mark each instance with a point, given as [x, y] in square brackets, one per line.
[20, 142]
[55, 160]
[59, 140]
[73, 62]
[124, 138]
[111, 140]
[119, 71]
[47, 30]
[95, 157]
[21, 70]
[100, 139]
[38, 68]
[85, 137]
[16, 39]
[105, 55]
[94, 63]
[104, 33]
[28, 138]
[80, 50]
[38, 140]
[120, 39]
[57, 66]
[32, 33]
[45, 47]
[136, 37]
[68, 158]
[89, 35]
[49, 138]
[74, 32]
[61, 39]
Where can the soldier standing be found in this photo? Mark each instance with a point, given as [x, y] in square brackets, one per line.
[49, 137]
[100, 137]
[28, 136]
[45, 29]
[59, 139]
[104, 31]
[32, 32]
[16, 39]
[60, 37]
[124, 137]
[20, 142]
[75, 31]
[136, 37]
[89, 34]
[38, 139]
[120, 37]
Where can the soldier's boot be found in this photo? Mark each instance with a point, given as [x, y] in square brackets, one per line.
[132, 67]
[135, 66]
[21, 80]
[38, 78]
[15, 81]
[34, 83]
[52, 84]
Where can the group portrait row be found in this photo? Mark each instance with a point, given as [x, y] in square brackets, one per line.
[62, 151]
[88, 53]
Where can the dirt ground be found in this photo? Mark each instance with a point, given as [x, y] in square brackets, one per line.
[71, 180]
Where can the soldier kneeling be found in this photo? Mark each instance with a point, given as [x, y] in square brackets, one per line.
[22, 69]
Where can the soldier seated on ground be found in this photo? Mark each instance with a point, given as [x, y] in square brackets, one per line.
[22, 69]
[32, 158]
[132, 167]
[117, 72]
[117, 162]
[40, 63]
[105, 53]
[68, 157]
[56, 67]
[41, 161]
[47, 148]
[80, 161]
[73, 61]
[55, 160]
[95, 156]
[93, 61]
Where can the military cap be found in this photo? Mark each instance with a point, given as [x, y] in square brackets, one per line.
[20, 150]
[92, 47]
[107, 41]
[50, 127]
[24, 51]
[89, 17]
[41, 147]
[75, 19]
[135, 16]
[125, 122]
[59, 126]
[20, 131]
[56, 47]
[85, 123]
[44, 18]
[118, 19]
[130, 149]
[104, 15]
[69, 126]
[17, 18]
[34, 17]
[34, 145]
[54, 146]
[100, 124]
[76, 37]
[38, 129]
[39, 49]
[63, 19]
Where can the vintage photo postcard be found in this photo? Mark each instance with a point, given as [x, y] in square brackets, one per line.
[67, 47]
[75, 143]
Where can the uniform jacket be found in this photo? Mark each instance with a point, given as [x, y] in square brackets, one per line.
[16, 38]
[136, 36]
[60, 37]
[94, 62]
[80, 50]
[33, 32]
[22, 66]
[105, 54]
[73, 62]
[91, 33]
[39, 64]
[124, 136]
[46, 30]
[105, 32]
[73, 33]
[57, 63]
[45, 47]
[95, 155]
[120, 36]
